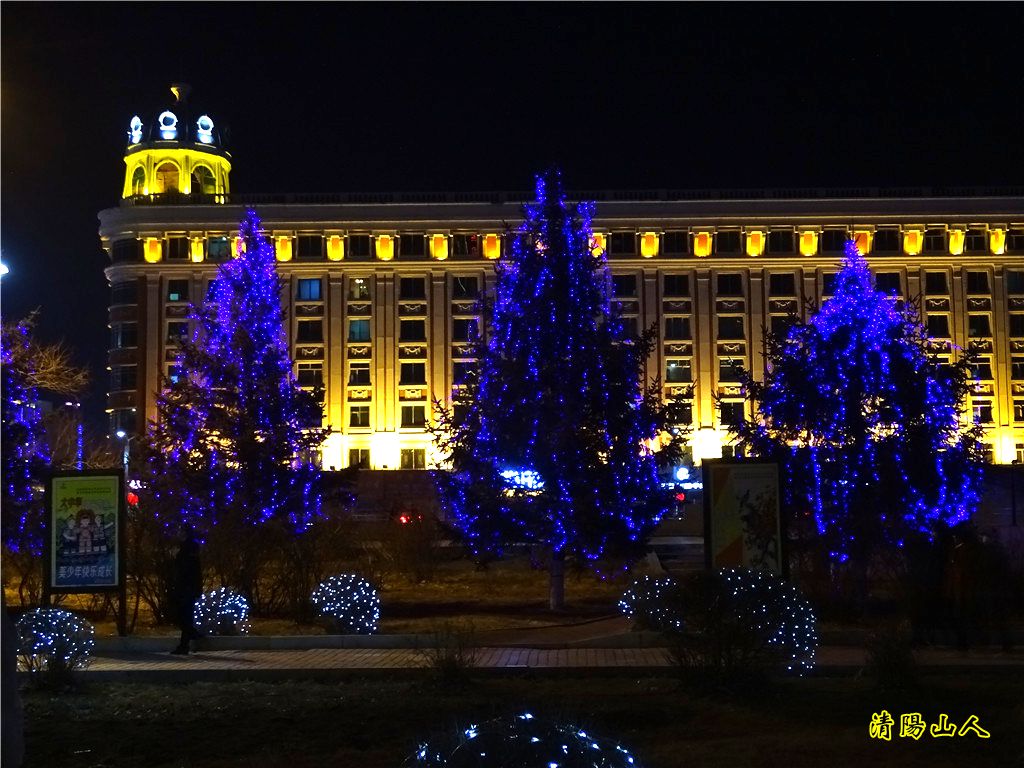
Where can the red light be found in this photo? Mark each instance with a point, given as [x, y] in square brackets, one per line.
[133, 500]
[680, 497]
[403, 519]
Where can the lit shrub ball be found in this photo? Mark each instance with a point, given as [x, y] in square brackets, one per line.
[653, 603]
[54, 641]
[221, 612]
[760, 609]
[521, 741]
[349, 604]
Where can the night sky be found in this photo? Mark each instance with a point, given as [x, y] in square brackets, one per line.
[345, 97]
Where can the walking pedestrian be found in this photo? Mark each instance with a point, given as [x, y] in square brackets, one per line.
[188, 587]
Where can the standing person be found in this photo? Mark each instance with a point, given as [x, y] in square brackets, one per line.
[188, 587]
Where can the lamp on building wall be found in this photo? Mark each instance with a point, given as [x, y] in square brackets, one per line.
[385, 247]
[283, 248]
[439, 247]
[153, 250]
[862, 239]
[492, 247]
[913, 241]
[997, 241]
[335, 248]
[702, 244]
[808, 243]
[956, 242]
[649, 244]
[755, 242]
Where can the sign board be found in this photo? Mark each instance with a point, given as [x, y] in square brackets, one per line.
[85, 532]
[742, 517]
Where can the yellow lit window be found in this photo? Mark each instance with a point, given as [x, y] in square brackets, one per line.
[808, 243]
[598, 243]
[755, 242]
[385, 247]
[702, 244]
[956, 242]
[492, 247]
[154, 250]
[439, 247]
[862, 239]
[283, 249]
[997, 241]
[335, 248]
[913, 241]
[197, 249]
[649, 244]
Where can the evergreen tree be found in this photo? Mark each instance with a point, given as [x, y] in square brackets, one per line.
[557, 441]
[230, 451]
[866, 422]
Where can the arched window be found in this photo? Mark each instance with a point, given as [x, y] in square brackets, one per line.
[203, 181]
[139, 181]
[166, 178]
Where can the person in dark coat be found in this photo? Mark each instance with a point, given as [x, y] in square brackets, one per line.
[188, 587]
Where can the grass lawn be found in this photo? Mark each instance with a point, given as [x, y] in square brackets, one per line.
[817, 723]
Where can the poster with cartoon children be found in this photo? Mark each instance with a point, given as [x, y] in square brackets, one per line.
[85, 551]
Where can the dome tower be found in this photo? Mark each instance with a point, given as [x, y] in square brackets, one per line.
[176, 153]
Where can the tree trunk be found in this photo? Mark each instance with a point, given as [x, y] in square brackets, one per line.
[556, 591]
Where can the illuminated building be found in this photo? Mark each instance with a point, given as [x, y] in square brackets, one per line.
[381, 288]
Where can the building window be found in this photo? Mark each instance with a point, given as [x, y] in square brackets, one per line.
[730, 414]
[411, 288]
[978, 326]
[177, 290]
[411, 246]
[886, 241]
[177, 331]
[413, 373]
[622, 244]
[309, 289]
[465, 245]
[782, 284]
[1014, 282]
[935, 241]
[730, 285]
[677, 328]
[728, 242]
[413, 416]
[359, 374]
[975, 241]
[463, 373]
[123, 293]
[1017, 368]
[678, 371]
[412, 330]
[781, 241]
[675, 243]
[309, 247]
[977, 283]
[359, 289]
[359, 457]
[982, 370]
[211, 290]
[779, 325]
[1016, 325]
[828, 284]
[359, 247]
[218, 249]
[729, 369]
[122, 419]
[358, 330]
[464, 287]
[1018, 415]
[465, 330]
[730, 328]
[177, 249]
[123, 335]
[677, 286]
[938, 326]
[126, 251]
[982, 412]
[122, 378]
[311, 375]
[1015, 240]
[889, 282]
[935, 284]
[359, 416]
[414, 458]
[833, 240]
[309, 332]
[175, 374]
[624, 285]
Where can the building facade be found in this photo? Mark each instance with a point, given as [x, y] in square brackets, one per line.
[381, 290]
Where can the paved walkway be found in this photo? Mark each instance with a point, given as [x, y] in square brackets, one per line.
[344, 662]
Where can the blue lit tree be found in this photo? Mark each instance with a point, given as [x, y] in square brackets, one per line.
[867, 423]
[230, 452]
[558, 441]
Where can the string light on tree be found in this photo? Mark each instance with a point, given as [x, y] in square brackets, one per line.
[653, 603]
[221, 612]
[54, 642]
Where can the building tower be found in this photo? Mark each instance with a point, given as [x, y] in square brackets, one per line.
[176, 153]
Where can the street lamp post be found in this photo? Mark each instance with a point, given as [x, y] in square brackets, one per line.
[122, 435]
